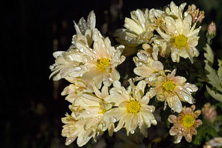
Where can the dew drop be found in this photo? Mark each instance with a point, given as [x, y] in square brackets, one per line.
[132, 131]
[81, 50]
[110, 79]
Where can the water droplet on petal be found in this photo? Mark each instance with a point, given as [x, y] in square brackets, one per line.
[81, 50]
[132, 131]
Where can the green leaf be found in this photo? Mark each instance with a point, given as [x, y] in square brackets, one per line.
[214, 80]
[215, 95]
[219, 71]
[209, 55]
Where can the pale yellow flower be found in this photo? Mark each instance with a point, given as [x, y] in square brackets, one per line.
[146, 67]
[131, 109]
[93, 107]
[185, 124]
[172, 90]
[101, 62]
[138, 30]
[75, 129]
[67, 64]
[74, 90]
[180, 35]
[96, 64]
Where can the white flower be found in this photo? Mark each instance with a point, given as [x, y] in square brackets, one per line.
[138, 30]
[75, 129]
[172, 90]
[180, 35]
[67, 64]
[93, 107]
[102, 61]
[131, 108]
[146, 67]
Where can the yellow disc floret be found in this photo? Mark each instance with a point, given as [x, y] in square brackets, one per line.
[180, 41]
[133, 107]
[102, 111]
[169, 85]
[188, 121]
[102, 63]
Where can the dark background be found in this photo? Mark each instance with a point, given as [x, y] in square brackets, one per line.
[31, 106]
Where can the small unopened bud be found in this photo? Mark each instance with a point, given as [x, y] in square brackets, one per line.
[212, 29]
[197, 16]
[211, 32]
[209, 112]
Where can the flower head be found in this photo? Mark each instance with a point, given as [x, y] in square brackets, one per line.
[101, 61]
[172, 90]
[146, 67]
[131, 109]
[138, 30]
[180, 35]
[75, 129]
[185, 124]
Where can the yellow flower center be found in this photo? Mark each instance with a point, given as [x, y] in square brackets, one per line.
[180, 41]
[169, 85]
[188, 121]
[133, 107]
[102, 63]
[102, 111]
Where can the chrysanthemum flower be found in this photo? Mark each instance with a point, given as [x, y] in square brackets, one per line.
[138, 30]
[74, 90]
[75, 129]
[146, 67]
[172, 90]
[185, 124]
[180, 35]
[101, 61]
[96, 64]
[131, 109]
[67, 64]
[92, 110]
[86, 120]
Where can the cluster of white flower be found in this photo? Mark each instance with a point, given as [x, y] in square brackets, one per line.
[98, 100]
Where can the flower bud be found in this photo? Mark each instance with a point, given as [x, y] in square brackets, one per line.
[212, 29]
[209, 112]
